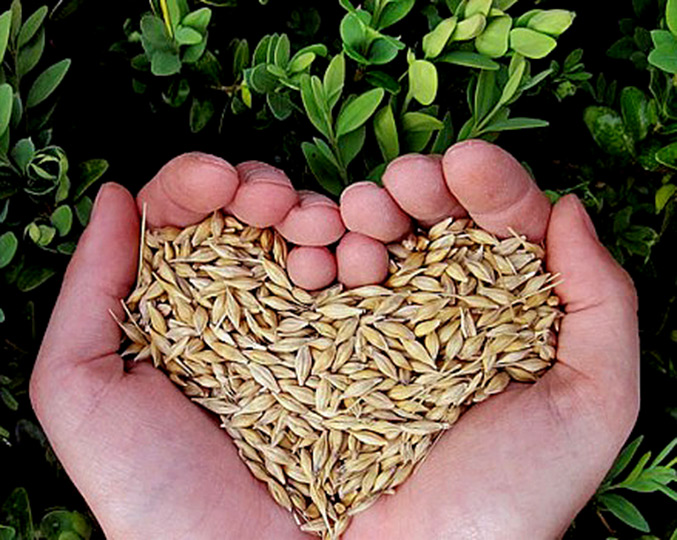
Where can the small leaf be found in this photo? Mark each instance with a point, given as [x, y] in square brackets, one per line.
[624, 459]
[356, 113]
[23, 153]
[301, 62]
[30, 55]
[485, 97]
[635, 112]
[664, 56]
[624, 510]
[671, 16]
[394, 11]
[185, 35]
[380, 79]
[201, 112]
[313, 109]
[62, 219]
[165, 63]
[4, 211]
[351, 144]
[57, 524]
[494, 41]
[668, 155]
[470, 28]
[32, 277]
[31, 26]
[353, 31]
[664, 453]
[282, 52]
[385, 129]
[47, 82]
[6, 533]
[382, 51]
[5, 25]
[6, 99]
[8, 399]
[445, 137]
[514, 81]
[324, 171]
[608, 130]
[553, 22]
[83, 210]
[334, 79]
[512, 124]
[88, 173]
[198, 19]
[469, 59]
[17, 514]
[477, 6]
[8, 247]
[435, 41]
[280, 105]
[420, 122]
[423, 81]
[530, 43]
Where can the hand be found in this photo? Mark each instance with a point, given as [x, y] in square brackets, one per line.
[521, 465]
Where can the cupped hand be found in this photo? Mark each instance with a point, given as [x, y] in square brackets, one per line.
[151, 464]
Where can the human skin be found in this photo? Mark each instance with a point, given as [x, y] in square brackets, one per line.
[151, 464]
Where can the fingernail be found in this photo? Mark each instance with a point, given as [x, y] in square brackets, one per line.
[99, 198]
[587, 220]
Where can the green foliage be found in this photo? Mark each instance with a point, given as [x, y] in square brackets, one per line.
[645, 476]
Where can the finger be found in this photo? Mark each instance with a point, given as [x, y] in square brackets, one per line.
[495, 189]
[361, 260]
[187, 189]
[311, 268]
[265, 195]
[368, 209]
[599, 334]
[314, 221]
[101, 272]
[417, 184]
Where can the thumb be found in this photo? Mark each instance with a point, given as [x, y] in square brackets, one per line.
[599, 336]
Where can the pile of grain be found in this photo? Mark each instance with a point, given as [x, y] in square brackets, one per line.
[333, 398]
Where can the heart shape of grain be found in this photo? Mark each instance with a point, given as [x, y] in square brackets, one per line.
[333, 398]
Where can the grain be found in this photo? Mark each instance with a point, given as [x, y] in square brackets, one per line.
[335, 398]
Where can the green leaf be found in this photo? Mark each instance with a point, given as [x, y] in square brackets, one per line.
[58, 523]
[47, 82]
[514, 81]
[668, 155]
[6, 102]
[8, 399]
[635, 112]
[553, 22]
[380, 79]
[435, 41]
[280, 105]
[88, 173]
[353, 31]
[530, 43]
[62, 219]
[477, 6]
[382, 51]
[282, 52]
[608, 130]
[30, 55]
[301, 62]
[5, 25]
[4, 211]
[385, 129]
[445, 137]
[494, 41]
[33, 276]
[469, 28]
[324, 171]
[240, 57]
[8, 247]
[31, 26]
[423, 81]
[201, 112]
[624, 459]
[23, 153]
[185, 35]
[357, 112]
[664, 453]
[261, 80]
[469, 59]
[165, 63]
[17, 16]
[420, 122]
[394, 11]
[198, 19]
[334, 80]
[665, 55]
[313, 108]
[624, 510]
[671, 16]
[351, 144]
[485, 94]
[512, 124]
[17, 514]
[83, 210]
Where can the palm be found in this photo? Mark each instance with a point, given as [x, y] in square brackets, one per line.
[151, 464]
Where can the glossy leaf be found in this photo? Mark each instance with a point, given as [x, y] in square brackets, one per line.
[31, 26]
[280, 105]
[470, 28]
[8, 247]
[301, 62]
[353, 31]
[5, 25]
[382, 51]
[62, 219]
[485, 97]
[423, 81]
[357, 112]
[394, 11]
[494, 41]
[608, 130]
[282, 52]
[553, 22]
[668, 155]
[324, 171]
[664, 56]
[624, 510]
[530, 43]
[435, 41]
[469, 59]
[385, 129]
[334, 79]
[635, 112]
[6, 103]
